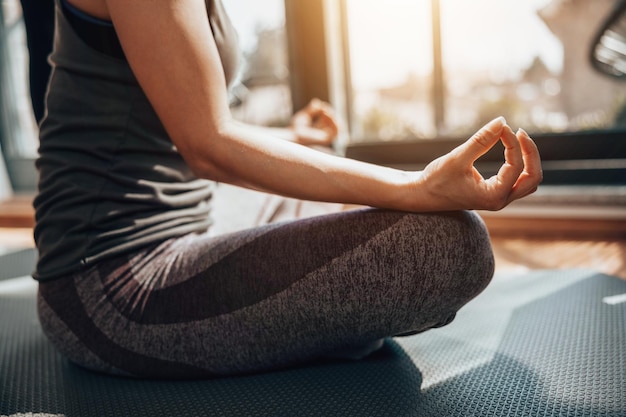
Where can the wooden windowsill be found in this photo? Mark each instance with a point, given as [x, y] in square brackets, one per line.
[590, 229]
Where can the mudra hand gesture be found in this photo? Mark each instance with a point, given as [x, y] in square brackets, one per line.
[452, 182]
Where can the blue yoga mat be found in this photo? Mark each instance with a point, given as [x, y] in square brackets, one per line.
[545, 343]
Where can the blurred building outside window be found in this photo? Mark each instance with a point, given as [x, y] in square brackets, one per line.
[525, 60]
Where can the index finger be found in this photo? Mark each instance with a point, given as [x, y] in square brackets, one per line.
[481, 141]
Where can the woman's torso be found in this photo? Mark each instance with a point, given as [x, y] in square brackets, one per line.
[110, 178]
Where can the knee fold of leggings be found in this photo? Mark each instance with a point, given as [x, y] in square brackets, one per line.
[476, 260]
[484, 256]
[462, 265]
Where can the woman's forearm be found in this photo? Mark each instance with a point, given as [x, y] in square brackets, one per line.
[248, 156]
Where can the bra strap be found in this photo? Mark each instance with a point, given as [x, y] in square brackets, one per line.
[98, 34]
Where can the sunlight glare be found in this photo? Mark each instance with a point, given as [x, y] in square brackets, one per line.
[389, 40]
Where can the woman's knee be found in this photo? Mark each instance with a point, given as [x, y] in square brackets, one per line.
[480, 262]
[472, 264]
[458, 261]
[452, 263]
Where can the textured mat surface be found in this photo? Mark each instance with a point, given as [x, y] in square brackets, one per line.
[540, 344]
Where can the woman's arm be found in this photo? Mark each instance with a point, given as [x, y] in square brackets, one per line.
[171, 50]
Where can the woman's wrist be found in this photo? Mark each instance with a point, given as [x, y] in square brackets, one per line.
[399, 190]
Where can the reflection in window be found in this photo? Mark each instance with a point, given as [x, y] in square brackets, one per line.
[17, 122]
[262, 95]
[525, 60]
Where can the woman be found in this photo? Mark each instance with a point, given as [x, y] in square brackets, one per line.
[136, 132]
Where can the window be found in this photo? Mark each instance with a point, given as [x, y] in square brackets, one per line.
[391, 61]
[442, 68]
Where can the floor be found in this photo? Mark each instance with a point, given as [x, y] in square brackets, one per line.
[531, 243]
[518, 255]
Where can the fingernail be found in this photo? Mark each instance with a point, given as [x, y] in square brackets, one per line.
[522, 131]
[499, 120]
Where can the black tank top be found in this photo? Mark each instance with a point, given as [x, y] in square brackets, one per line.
[110, 179]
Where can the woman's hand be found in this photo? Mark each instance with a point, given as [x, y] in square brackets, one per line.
[315, 124]
[451, 182]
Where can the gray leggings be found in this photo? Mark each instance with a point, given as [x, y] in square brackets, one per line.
[268, 297]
